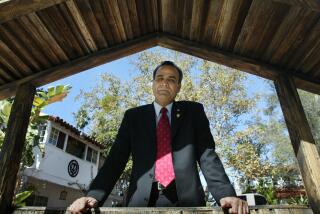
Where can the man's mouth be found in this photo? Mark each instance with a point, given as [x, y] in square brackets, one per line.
[163, 91]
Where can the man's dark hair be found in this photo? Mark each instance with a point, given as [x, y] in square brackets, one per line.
[170, 64]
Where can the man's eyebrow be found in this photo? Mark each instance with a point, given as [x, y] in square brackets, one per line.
[161, 75]
[173, 77]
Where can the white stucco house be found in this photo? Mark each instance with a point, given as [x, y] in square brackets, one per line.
[64, 168]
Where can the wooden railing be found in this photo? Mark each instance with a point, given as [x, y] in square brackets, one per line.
[283, 209]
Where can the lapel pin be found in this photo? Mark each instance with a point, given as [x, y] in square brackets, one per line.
[178, 114]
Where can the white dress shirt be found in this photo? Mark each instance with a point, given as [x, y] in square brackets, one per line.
[158, 108]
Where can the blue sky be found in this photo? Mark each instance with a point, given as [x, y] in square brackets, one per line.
[87, 79]
[84, 80]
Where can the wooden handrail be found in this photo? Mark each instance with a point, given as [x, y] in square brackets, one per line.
[284, 209]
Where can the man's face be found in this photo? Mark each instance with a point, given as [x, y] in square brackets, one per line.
[166, 85]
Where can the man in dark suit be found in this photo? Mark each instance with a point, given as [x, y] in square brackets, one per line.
[166, 140]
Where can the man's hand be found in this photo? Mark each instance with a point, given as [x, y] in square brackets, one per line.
[83, 204]
[235, 205]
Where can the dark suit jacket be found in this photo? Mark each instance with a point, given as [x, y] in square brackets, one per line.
[192, 143]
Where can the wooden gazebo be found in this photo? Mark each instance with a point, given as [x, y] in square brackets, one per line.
[45, 40]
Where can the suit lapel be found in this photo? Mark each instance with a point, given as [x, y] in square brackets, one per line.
[150, 122]
[176, 118]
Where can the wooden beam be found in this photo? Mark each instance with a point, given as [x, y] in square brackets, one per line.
[301, 138]
[307, 84]
[81, 25]
[235, 61]
[13, 145]
[81, 64]
[15, 8]
[308, 4]
[168, 41]
[215, 55]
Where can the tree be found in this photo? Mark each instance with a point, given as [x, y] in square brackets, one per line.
[311, 103]
[277, 135]
[273, 143]
[252, 142]
[224, 95]
[42, 99]
[220, 89]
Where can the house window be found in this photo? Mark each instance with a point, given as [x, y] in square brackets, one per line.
[61, 139]
[75, 147]
[92, 155]
[63, 195]
[89, 154]
[53, 136]
[42, 132]
[57, 138]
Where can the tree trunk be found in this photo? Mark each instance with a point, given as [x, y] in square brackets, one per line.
[13, 144]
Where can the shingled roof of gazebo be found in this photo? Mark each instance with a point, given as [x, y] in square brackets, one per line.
[42, 41]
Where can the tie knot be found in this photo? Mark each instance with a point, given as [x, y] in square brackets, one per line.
[163, 110]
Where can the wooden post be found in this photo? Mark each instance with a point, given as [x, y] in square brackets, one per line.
[13, 144]
[301, 138]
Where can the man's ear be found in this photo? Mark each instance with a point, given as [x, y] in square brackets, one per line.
[179, 87]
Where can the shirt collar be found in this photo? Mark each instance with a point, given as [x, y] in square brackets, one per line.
[158, 108]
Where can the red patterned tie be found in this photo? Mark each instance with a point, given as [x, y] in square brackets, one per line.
[164, 172]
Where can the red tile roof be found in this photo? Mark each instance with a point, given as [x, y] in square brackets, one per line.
[76, 131]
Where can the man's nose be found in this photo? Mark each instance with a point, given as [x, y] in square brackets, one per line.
[165, 82]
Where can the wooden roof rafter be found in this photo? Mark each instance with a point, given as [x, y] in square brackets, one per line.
[308, 4]
[81, 64]
[127, 22]
[11, 9]
[167, 41]
[40, 39]
[235, 61]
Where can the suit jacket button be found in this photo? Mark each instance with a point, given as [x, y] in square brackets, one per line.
[146, 199]
[150, 175]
